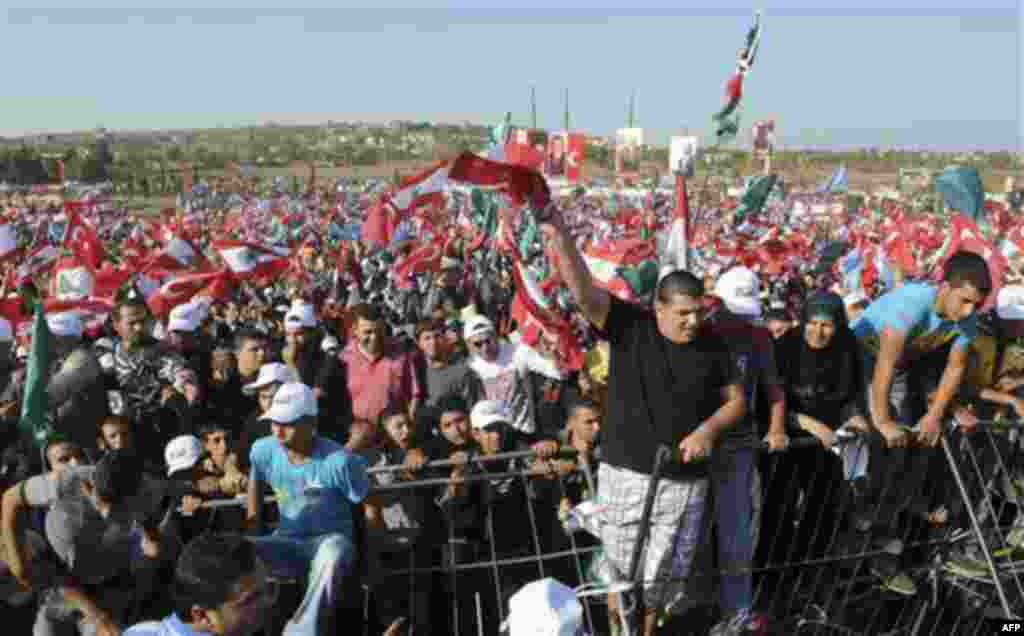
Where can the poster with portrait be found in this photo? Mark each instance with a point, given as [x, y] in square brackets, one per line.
[763, 136]
[554, 161]
[683, 155]
[574, 156]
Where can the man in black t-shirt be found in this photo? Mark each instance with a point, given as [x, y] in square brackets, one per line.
[671, 384]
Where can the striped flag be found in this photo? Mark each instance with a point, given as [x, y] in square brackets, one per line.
[727, 119]
[251, 260]
[627, 269]
[677, 248]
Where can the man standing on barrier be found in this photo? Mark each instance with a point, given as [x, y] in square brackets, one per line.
[734, 467]
[669, 384]
[896, 332]
[316, 482]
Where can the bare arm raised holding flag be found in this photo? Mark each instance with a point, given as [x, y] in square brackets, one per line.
[593, 301]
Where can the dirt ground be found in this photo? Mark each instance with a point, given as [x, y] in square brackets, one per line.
[858, 180]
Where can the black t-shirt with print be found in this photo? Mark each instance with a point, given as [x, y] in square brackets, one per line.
[658, 391]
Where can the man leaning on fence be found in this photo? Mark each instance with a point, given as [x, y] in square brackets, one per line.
[669, 384]
[316, 482]
[896, 332]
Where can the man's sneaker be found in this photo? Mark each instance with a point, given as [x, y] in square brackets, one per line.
[966, 566]
[898, 583]
[967, 561]
[1015, 538]
[733, 624]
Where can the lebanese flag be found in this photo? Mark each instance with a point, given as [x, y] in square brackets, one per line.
[523, 185]
[419, 261]
[250, 260]
[536, 315]
[425, 188]
[39, 260]
[81, 238]
[92, 311]
[72, 280]
[184, 287]
[179, 254]
[622, 267]
[109, 279]
[677, 246]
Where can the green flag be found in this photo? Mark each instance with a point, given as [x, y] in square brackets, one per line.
[961, 189]
[34, 406]
[755, 197]
[485, 211]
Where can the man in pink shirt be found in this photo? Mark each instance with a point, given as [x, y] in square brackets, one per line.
[378, 374]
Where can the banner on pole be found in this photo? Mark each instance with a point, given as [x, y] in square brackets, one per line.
[683, 155]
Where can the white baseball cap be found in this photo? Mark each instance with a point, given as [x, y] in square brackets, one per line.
[292, 401]
[1010, 303]
[299, 316]
[269, 374]
[487, 412]
[477, 326]
[330, 342]
[184, 318]
[739, 290]
[65, 323]
[182, 452]
[855, 297]
[6, 333]
[544, 608]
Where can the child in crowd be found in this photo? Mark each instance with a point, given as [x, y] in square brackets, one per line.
[397, 524]
[221, 461]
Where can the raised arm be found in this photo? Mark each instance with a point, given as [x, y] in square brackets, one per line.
[593, 301]
[13, 503]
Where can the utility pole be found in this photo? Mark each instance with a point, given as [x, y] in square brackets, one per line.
[566, 123]
[533, 105]
[632, 110]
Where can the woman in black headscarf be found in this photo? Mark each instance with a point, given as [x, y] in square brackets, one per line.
[819, 364]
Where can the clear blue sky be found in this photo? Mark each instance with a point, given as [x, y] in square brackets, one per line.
[883, 73]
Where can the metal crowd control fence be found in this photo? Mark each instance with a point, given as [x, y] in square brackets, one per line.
[820, 561]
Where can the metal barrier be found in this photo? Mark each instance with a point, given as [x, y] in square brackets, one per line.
[821, 563]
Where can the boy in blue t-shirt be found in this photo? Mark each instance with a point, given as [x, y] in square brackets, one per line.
[316, 482]
[907, 327]
[910, 322]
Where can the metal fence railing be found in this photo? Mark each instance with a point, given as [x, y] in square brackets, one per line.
[927, 546]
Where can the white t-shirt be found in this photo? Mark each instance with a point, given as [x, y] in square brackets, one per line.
[505, 379]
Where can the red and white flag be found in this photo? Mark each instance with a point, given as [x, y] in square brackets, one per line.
[182, 288]
[179, 254]
[250, 260]
[677, 247]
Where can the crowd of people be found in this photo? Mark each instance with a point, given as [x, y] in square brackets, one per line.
[335, 392]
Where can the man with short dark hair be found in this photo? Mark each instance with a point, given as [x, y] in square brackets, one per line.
[669, 384]
[220, 589]
[378, 373]
[442, 374]
[896, 332]
[228, 401]
[146, 374]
